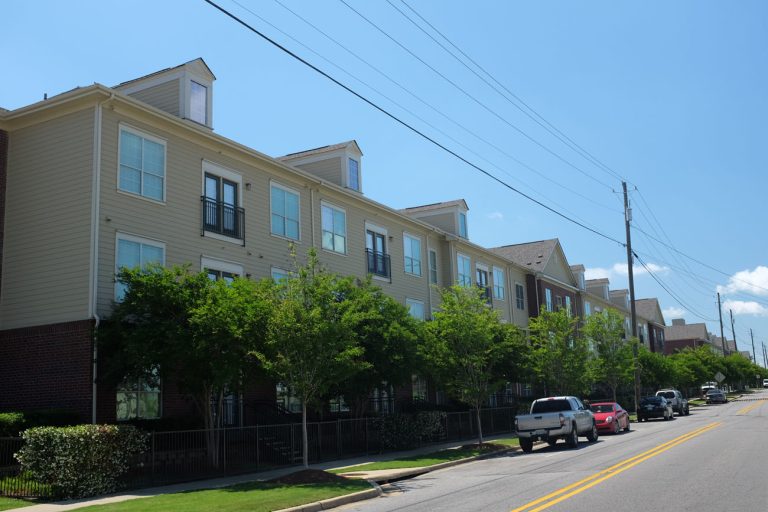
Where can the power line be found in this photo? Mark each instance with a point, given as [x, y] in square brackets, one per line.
[407, 125]
[475, 100]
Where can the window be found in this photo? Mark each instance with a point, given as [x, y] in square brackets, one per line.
[142, 164]
[498, 283]
[286, 399]
[135, 252]
[519, 296]
[334, 225]
[279, 274]
[568, 304]
[198, 103]
[376, 252]
[548, 298]
[587, 309]
[220, 270]
[221, 202]
[418, 387]
[353, 174]
[481, 278]
[284, 204]
[463, 225]
[415, 308]
[432, 267]
[412, 251]
[464, 267]
[138, 398]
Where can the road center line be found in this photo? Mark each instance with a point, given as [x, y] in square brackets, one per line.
[600, 476]
[750, 407]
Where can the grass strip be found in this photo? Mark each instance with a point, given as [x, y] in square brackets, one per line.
[252, 497]
[427, 459]
[9, 503]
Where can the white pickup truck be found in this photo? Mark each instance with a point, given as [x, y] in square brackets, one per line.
[553, 418]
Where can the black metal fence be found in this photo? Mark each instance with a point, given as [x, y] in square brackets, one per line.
[197, 454]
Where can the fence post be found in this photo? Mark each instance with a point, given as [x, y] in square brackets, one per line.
[152, 436]
[224, 448]
[319, 442]
[257, 446]
[366, 436]
[338, 437]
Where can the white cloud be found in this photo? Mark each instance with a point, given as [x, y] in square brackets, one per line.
[754, 282]
[673, 312]
[496, 216]
[620, 270]
[740, 307]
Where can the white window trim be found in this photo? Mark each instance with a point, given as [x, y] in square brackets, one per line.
[347, 157]
[222, 265]
[407, 235]
[495, 272]
[369, 226]
[458, 224]
[153, 138]
[185, 84]
[273, 268]
[323, 202]
[273, 183]
[140, 240]
[458, 268]
[518, 283]
[429, 269]
[223, 172]
[409, 302]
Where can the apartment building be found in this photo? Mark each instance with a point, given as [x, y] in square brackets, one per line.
[649, 312]
[102, 177]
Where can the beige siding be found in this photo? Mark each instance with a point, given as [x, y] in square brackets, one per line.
[558, 268]
[164, 96]
[444, 221]
[47, 225]
[516, 275]
[328, 170]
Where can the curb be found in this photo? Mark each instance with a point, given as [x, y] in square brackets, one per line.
[337, 501]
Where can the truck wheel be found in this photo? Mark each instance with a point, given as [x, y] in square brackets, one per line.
[573, 439]
[592, 434]
[526, 445]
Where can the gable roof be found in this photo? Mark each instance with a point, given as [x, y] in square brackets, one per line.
[198, 61]
[686, 332]
[531, 255]
[322, 149]
[650, 310]
[437, 206]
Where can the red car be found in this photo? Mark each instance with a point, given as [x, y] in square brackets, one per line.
[610, 417]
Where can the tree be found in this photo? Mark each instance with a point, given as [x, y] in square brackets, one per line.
[311, 343]
[469, 350]
[614, 364]
[389, 337]
[174, 324]
[695, 365]
[560, 355]
[656, 370]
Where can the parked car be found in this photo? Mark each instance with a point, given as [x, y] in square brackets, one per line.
[610, 417]
[654, 407]
[553, 418]
[716, 396]
[765, 383]
[706, 387]
[678, 402]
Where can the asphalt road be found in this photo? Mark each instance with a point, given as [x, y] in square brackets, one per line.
[715, 460]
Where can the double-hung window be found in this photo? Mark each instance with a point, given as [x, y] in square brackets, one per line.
[284, 204]
[217, 270]
[587, 309]
[568, 305]
[334, 224]
[198, 102]
[280, 274]
[412, 252]
[464, 267]
[142, 164]
[415, 308]
[138, 398]
[548, 298]
[432, 267]
[135, 252]
[463, 225]
[498, 283]
[353, 174]
[519, 296]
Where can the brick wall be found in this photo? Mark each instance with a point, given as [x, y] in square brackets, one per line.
[47, 366]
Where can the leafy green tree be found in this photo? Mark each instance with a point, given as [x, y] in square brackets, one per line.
[560, 355]
[469, 350]
[695, 366]
[174, 324]
[311, 341]
[614, 361]
[738, 370]
[656, 370]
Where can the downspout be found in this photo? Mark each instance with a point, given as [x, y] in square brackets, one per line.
[312, 215]
[94, 259]
[429, 286]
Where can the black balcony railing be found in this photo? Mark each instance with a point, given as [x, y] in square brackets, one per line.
[223, 219]
[486, 293]
[378, 263]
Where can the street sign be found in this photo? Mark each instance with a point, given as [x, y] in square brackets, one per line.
[719, 377]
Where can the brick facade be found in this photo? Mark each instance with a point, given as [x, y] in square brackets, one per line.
[47, 367]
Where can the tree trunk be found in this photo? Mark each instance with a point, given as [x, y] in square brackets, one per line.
[479, 426]
[304, 437]
[613, 388]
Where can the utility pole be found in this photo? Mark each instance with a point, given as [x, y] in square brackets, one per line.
[722, 333]
[632, 311]
[733, 330]
[754, 357]
[765, 357]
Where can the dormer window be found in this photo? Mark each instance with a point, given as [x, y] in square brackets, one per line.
[463, 225]
[198, 103]
[353, 174]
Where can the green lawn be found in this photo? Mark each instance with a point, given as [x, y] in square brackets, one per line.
[253, 497]
[9, 503]
[426, 459]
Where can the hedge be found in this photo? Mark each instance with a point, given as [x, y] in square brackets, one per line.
[80, 461]
[12, 423]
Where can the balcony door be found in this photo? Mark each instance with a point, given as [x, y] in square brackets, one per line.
[376, 249]
[221, 205]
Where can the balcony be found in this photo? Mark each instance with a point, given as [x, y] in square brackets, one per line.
[223, 219]
[378, 263]
[486, 293]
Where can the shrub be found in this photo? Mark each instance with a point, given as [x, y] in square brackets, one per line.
[11, 423]
[401, 431]
[80, 461]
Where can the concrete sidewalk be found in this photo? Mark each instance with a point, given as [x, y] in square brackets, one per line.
[215, 483]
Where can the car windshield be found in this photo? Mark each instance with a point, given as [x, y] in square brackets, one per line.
[550, 406]
[601, 408]
[667, 394]
[714, 392]
[651, 400]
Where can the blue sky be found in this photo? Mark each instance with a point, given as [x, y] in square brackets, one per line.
[667, 95]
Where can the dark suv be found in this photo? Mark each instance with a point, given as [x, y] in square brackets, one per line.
[654, 407]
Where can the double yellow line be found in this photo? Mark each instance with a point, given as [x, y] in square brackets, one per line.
[573, 489]
[748, 408]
